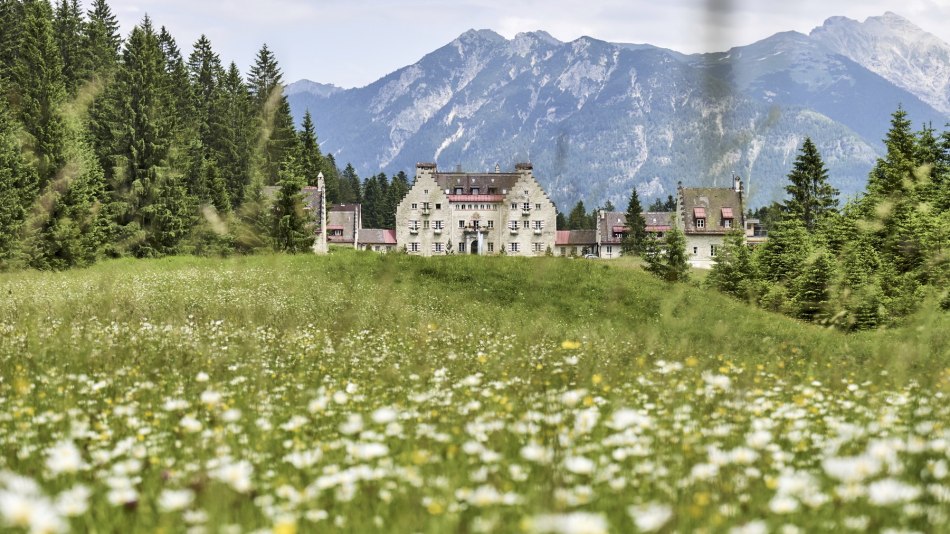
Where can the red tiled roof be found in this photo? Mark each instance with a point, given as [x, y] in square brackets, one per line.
[476, 198]
[727, 213]
[335, 227]
[658, 228]
[575, 237]
[620, 229]
[699, 212]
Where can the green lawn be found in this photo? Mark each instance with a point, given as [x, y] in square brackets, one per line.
[360, 392]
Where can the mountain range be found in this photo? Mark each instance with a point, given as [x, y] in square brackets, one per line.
[598, 118]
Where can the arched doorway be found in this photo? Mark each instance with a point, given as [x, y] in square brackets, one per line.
[474, 249]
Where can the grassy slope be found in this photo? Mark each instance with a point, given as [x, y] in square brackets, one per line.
[626, 310]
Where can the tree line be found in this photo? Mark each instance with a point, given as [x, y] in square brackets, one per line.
[866, 264]
[116, 147]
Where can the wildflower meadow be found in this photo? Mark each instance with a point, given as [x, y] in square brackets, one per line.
[366, 393]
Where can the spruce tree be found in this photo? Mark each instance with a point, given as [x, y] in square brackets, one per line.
[102, 40]
[349, 186]
[373, 203]
[577, 219]
[18, 186]
[69, 30]
[265, 78]
[813, 286]
[783, 256]
[331, 175]
[811, 196]
[311, 161]
[38, 83]
[636, 226]
[11, 20]
[667, 259]
[292, 231]
[175, 92]
[236, 130]
[733, 270]
[394, 195]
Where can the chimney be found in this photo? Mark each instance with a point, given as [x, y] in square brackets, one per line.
[738, 183]
[497, 168]
[458, 168]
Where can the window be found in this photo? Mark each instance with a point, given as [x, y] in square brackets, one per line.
[537, 206]
[491, 224]
[695, 250]
[413, 247]
[425, 205]
[474, 190]
[525, 193]
[426, 191]
[459, 190]
[700, 223]
[491, 247]
[712, 250]
[526, 206]
[514, 205]
[438, 206]
[437, 225]
[461, 224]
[563, 251]
[415, 206]
[538, 225]
[727, 223]
[527, 224]
[513, 225]
[336, 232]
[512, 247]
[438, 247]
[477, 224]
[413, 226]
[425, 225]
[492, 190]
[537, 247]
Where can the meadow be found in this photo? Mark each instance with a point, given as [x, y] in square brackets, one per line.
[359, 393]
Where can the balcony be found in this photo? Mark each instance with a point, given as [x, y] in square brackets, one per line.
[526, 213]
[437, 231]
[514, 231]
[413, 231]
[537, 231]
[425, 212]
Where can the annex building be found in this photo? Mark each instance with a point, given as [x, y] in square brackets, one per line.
[476, 213]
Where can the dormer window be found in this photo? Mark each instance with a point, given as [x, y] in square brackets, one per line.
[474, 190]
[727, 217]
[459, 190]
[699, 215]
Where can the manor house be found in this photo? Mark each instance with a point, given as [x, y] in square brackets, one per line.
[476, 213]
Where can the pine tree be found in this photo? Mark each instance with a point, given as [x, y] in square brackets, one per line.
[811, 196]
[292, 230]
[206, 74]
[609, 206]
[560, 221]
[102, 38]
[350, 186]
[38, 82]
[18, 186]
[167, 215]
[897, 167]
[636, 226]
[373, 203]
[175, 92]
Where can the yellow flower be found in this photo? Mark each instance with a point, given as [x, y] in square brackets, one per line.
[285, 526]
[596, 379]
[434, 508]
[568, 344]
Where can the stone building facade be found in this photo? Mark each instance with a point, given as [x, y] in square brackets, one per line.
[706, 215]
[476, 213]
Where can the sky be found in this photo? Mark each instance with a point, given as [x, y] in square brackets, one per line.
[352, 43]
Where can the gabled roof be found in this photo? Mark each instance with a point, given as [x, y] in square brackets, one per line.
[377, 236]
[658, 221]
[709, 203]
[575, 237]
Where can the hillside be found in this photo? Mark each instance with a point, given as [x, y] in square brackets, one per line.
[598, 118]
[449, 394]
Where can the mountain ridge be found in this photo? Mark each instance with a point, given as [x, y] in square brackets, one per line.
[597, 118]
